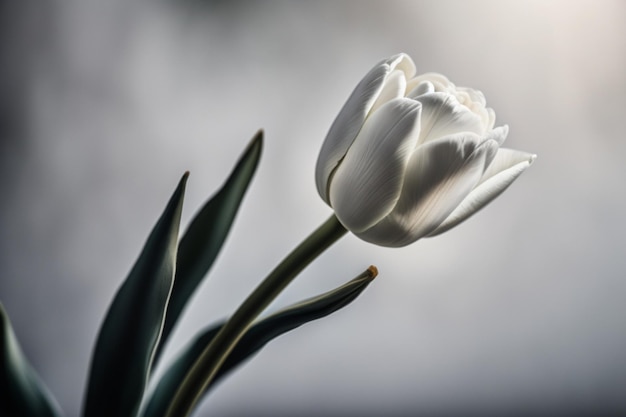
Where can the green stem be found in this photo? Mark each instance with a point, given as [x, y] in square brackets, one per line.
[209, 362]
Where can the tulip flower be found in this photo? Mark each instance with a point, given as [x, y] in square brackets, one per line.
[413, 156]
[407, 157]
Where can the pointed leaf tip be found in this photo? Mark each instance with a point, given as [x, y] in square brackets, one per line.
[255, 146]
[254, 339]
[22, 393]
[124, 351]
[207, 232]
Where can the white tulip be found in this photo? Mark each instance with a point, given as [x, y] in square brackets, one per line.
[413, 156]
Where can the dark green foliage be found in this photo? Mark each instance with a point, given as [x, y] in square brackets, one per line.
[129, 335]
[21, 391]
[254, 339]
[206, 234]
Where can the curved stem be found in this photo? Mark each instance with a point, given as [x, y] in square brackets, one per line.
[207, 365]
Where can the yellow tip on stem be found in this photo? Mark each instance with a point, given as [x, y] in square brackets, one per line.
[373, 271]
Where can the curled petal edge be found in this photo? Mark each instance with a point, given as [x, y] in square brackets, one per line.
[439, 176]
[352, 115]
[506, 167]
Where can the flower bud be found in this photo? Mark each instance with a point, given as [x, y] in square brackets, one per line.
[412, 156]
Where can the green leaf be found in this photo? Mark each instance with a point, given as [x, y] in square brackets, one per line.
[125, 348]
[254, 339]
[206, 234]
[21, 391]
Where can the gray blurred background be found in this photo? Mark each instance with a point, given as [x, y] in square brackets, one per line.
[518, 311]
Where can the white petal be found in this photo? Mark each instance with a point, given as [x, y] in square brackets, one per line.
[506, 167]
[492, 118]
[475, 95]
[507, 159]
[482, 113]
[439, 176]
[352, 116]
[440, 81]
[404, 63]
[422, 88]
[443, 115]
[367, 183]
[465, 99]
[394, 87]
[498, 135]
